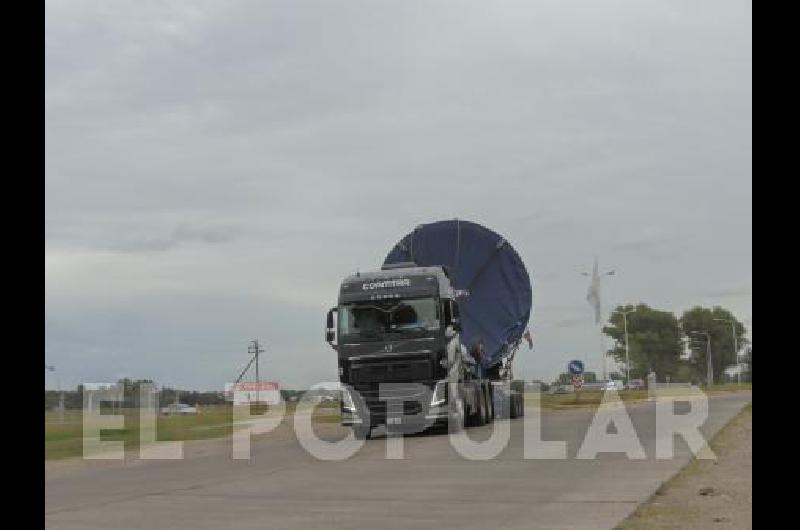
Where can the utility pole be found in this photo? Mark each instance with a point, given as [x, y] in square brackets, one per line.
[60, 399]
[51, 368]
[593, 297]
[256, 350]
[627, 346]
[710, 366]
[735, 348]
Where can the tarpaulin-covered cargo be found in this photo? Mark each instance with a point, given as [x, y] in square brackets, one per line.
[492, 284]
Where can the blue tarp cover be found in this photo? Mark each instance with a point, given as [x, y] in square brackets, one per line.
[496, 297]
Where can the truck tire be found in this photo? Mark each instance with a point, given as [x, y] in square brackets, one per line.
[489, 403]
[361, 432]
[469, 415]
[487, 410]
[457, 420]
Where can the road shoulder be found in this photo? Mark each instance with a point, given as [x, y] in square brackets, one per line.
[707, 493]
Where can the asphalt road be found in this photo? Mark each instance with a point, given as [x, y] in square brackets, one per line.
[282, 486]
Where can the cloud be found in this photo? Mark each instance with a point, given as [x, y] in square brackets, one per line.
[570, 323]
[652, 241]
[181, 235]
[261, 151]
[730, 293]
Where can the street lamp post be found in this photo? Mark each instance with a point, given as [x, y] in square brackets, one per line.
[710, 366]
[51, 368]
[627, 346]
[593, 297]
[735, 348]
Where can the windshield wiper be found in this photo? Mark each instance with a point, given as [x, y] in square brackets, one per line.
[411, 328]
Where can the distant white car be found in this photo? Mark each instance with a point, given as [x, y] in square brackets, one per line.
[612, 385]
[636, 384]
[178, 409]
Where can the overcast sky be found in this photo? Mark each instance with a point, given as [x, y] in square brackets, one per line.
[214, 169]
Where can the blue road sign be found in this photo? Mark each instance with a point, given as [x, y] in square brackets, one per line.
[575, 367]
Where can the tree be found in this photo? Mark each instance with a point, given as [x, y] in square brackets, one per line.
[654, 338]
[131, 389]
[291, 395]
[565, 378]
[716, 321]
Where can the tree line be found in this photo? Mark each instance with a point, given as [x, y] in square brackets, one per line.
[73, 399]
[676, 347]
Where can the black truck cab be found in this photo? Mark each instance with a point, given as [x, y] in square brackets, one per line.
[395, 332]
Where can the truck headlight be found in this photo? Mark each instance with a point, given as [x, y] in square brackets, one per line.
[439, 394]
[347, 401]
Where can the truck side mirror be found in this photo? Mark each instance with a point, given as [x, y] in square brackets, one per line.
[330, 327]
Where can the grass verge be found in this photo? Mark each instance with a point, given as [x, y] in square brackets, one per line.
[591, 399]
[688, 501]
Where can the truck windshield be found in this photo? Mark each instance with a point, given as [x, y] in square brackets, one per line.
[373, 319]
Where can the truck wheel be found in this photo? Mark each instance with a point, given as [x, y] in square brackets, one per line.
[485, 405]
[489, 405]
[457, 420]
[361, 432]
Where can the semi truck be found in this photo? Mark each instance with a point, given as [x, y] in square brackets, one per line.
[429, 339]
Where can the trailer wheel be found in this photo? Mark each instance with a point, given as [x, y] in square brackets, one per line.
[487, 411]
[480, 417]
[512, 413]
[469, 414]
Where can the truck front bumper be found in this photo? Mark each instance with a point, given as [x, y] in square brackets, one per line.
[438, 413]
[434, 416]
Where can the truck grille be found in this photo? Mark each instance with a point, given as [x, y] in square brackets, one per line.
[413, 399]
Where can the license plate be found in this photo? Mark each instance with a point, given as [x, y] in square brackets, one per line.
[394, 421]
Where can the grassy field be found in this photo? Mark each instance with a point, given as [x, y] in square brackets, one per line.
[727, 387]
[64, 439]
